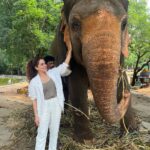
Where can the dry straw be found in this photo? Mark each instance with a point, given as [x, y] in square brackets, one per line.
[106, 135]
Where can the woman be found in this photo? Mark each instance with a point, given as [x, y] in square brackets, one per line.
[45, 89]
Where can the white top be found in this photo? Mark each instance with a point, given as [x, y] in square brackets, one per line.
[36, 89]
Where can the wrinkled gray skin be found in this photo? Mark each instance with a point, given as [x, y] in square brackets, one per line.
[99, 37]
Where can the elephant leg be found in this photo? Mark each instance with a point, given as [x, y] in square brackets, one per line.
[78, 95]
[66, 90]
[129, 122]
[66, 95]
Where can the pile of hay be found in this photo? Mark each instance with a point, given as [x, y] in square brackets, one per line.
[107, 136]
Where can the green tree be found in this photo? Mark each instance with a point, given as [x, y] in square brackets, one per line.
[34, 24]
[139, 27]
[27, 28]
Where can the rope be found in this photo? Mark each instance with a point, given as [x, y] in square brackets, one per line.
[76, 109]
[124, 83]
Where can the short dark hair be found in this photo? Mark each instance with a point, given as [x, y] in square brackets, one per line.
[49, 58]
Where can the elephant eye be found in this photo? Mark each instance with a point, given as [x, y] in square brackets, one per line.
[123, 24]
[76, 26]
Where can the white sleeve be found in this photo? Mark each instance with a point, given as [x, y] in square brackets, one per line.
[32, 91]
[64, 69]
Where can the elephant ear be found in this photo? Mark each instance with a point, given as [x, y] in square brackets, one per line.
[65, 30]
[126, 40]
[68, 5]
[125, 4]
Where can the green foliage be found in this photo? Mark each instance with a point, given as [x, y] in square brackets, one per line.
[5, 81]
[139, 27]
[33, 25]
[3, 61]
[27, 29]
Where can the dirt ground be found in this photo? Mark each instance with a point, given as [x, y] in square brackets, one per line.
[10, 101]
[141, 102]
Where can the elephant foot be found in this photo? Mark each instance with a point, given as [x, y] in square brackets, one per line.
[84, 136]
[129, 125]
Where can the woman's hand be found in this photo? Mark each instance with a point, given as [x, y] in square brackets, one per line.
[37, 120]
[67, 38]
[68, 56]
[68, 44]
[69, 52]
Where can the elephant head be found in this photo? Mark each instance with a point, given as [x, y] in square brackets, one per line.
[97, 30]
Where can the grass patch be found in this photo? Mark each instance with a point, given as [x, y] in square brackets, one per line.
[6, 81]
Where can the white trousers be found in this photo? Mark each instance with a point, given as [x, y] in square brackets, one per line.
[50, 119]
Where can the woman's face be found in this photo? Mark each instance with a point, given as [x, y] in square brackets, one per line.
[42, 67]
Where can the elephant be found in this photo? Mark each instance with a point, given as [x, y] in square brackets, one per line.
[98, 33]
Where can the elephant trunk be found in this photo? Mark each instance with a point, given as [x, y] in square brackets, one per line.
[102, 60]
